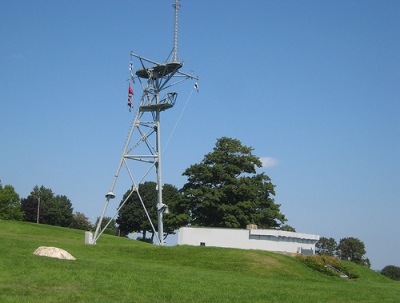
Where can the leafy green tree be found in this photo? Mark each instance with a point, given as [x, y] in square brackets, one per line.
[80, 221]
[38, 197]
[10, 205]
[178, 215]
[132, 217]
[112, 228]
[58, 211]
[224, 190]
[392, 272]
[352, 249]
[326, 246]
[29, 206]
[53, 210]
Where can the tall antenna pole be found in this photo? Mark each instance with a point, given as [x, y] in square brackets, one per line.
[154, 78]
[176, 5]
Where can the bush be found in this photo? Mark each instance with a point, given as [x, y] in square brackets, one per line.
[316, 263]
[392, 272]
[322, 263]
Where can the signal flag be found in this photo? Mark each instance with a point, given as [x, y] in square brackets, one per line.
[130, 95]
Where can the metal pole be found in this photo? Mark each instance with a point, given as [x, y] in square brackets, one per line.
[38, 207]
[100, 220]
[159, 183]
[175, 49]
[110, 195]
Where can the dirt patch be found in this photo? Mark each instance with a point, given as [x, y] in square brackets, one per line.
[53, 252]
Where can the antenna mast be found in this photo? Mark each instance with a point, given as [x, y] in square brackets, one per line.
[143, 145]
[176, 6]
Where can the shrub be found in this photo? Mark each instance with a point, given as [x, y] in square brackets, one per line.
[392, 272]
[316, 263]
[327, 265]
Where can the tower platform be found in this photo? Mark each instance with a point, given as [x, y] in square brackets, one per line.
[159, 70]
[167, 102]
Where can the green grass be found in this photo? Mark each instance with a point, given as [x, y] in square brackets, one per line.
[123, 270]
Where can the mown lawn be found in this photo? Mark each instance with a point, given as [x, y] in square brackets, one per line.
[123, 270]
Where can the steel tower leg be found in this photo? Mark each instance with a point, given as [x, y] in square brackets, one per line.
[156, 78]
[160, 208]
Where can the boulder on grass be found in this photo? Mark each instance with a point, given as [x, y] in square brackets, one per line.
[53, 252]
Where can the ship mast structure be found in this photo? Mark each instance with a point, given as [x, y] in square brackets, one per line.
[143, 144]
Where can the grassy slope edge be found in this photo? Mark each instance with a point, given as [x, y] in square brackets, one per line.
[123, 270]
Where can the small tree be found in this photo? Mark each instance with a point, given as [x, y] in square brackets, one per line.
[352, 249]
[177, 215]
[326, 246]
[132, 216]
[80, 221]
[392, 272]
[53, 210]
[58, 211]
[112, 228]
[10, 205]
[35, 202]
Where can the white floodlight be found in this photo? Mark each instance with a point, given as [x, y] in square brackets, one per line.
[110, 195]
[163, 208]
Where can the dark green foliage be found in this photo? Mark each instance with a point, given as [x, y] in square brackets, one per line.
[80, 221]
[326, 246]
[112, 228]
[316, 264]
[29, 207]
[10, 205]
[177, 216]
[392, 272]
[38, 197]
[224, 190]
[53, 210]
[132, 217]
[58, 211]
[352, 249]
[327, 265]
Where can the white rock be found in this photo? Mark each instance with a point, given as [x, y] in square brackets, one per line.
[53, 252]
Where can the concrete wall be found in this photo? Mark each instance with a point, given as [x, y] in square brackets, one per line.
[264, 239]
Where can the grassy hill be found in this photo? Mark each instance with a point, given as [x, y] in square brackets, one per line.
[123, 270]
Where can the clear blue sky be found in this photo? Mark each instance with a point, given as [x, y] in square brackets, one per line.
[312, 86]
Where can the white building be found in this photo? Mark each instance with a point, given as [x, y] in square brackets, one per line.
[251, 238]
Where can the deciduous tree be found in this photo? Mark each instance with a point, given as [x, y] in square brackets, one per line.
[133, 218]
[392, 272]
[53, 210]
[58, 211]
[326, 246]
[10, 205]
[36, 201]
[224, 189]
[80, 221]
[352, 249]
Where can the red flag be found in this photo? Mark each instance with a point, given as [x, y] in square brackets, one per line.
[130, 94]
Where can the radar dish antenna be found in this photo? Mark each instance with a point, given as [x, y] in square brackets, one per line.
[143, 145]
